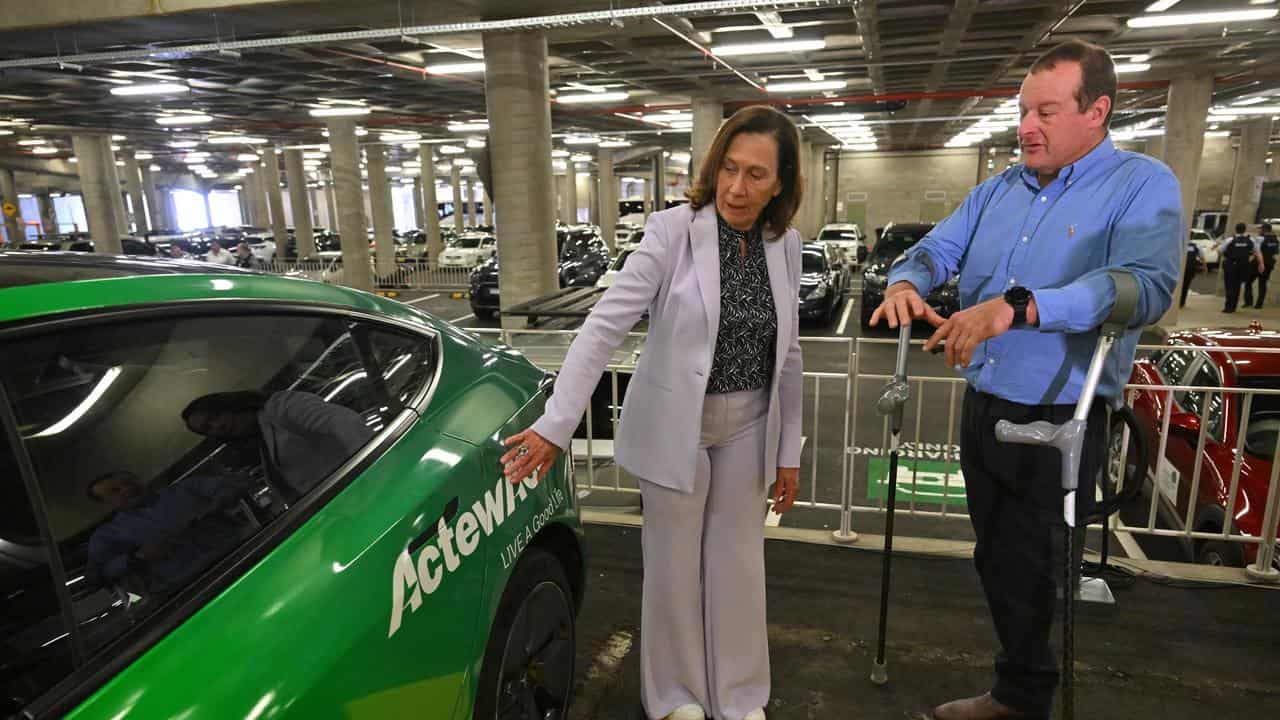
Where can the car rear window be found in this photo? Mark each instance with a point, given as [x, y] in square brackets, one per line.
[163, 445]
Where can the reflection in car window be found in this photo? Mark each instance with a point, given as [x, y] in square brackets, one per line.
[813, 261]
[1206, 375]
[1173, 365]
[162, 445]
[37, 648]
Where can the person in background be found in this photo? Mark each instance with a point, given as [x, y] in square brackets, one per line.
[1194, 264]
[1269, 246]
[1240, 258]
[245, 258]
[218, 256]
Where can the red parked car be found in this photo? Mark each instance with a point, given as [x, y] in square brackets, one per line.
[1208, 366]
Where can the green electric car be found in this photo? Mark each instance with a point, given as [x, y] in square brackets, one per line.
[230, 495]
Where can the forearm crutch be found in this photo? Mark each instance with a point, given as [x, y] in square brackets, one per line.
[893, 398]
[1068, 438]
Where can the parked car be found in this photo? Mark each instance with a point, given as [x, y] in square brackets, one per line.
[1170, 477]
[469, 250]
[848, 237]
[1208, 246]
[895, 239]
[823, 281]
[583, 256]
[129, 245]
[606, 280]
[627, 236]
[351, 549]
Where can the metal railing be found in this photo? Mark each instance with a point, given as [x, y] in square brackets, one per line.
[930, 482]
[406, 274]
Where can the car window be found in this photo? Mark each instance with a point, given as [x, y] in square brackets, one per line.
[813, 261]
[163, 445]
[1205, 375]
[1173, 365]
[37, 647]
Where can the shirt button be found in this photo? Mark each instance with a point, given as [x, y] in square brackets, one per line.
[1024, 238]
[1012, 280]
[991, 361]
[1044, 198]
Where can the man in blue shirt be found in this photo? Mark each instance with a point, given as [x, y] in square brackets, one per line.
[1033, 247]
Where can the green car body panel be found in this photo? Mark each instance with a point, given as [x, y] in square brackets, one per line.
[341, 618]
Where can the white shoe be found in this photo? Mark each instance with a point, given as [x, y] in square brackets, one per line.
[687, 712]
[757, 714]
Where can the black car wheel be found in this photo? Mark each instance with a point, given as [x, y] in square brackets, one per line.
[484, 313]
[529, 661]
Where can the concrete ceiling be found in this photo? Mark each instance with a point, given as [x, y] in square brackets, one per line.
[928, 67]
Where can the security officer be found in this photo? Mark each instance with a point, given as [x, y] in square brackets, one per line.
[1269, 245]
[1237, 254]
[1195, 263]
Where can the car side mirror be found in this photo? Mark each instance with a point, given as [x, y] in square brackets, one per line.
[1185, 423]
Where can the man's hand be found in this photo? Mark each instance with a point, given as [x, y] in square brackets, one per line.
[785, 489]
[967, 328]
[902, 304]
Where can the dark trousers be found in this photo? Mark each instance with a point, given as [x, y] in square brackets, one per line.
[1188, 275]
[1263, 278]
[1248, 273]
[1232, 275]
[1015, 504]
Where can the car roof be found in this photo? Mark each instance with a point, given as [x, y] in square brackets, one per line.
[1245, 362]
[840, 226]
[77, 282]
[909, 227]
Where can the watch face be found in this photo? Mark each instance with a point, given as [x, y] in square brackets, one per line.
[1018, 296]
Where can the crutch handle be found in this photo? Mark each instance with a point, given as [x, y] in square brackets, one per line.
[1040, 432]
[1067, 437]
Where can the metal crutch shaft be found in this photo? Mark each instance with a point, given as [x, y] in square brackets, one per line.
[893, 398]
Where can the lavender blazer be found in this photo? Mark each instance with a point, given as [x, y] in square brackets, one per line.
[675, 274]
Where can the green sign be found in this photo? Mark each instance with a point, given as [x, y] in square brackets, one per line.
[925, 481]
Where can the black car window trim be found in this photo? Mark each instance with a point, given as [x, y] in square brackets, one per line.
[112, 658]
[36, 498]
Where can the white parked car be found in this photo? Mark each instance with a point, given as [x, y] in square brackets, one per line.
[615, 267]
[469, 250]
[1208, 246]
[847, 237]
[627, 237]
[263, 247]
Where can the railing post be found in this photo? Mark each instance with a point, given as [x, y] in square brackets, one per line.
[1262, 568]
[845, 533]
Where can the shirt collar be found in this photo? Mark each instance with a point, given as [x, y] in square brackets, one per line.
[1079, 168]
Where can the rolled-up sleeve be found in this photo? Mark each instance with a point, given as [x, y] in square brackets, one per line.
[1147, 243]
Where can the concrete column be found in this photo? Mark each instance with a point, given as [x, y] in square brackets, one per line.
[431, 204]
[1155, 147]
[256, 198]
[519, 110]
[815, 189]
[1189, 97]
[133, 181]
[13, 229]
[300, 201]
[208, 205]
[645, 198]
[608, 197]
[471, 203]
[1273, 169]
[455, 179]
[95, 190]
[659, 183]
[380, 203]
[593, 198]
[488, 206]
[331, 204]
[1250, 172]
[419, 209]
[113, 182]
[571, 191]
[275, 198]
[170, 207]
[707, 116]
[344, 159]
[157, 217]
[48, 215]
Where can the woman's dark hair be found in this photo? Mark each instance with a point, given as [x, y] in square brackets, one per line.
[225, 402]
[766, 121]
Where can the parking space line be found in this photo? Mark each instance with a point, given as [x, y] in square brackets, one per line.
[415, 301]
[844, 319]
[468, 316]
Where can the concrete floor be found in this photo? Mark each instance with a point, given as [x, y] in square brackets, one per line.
[1160, 652]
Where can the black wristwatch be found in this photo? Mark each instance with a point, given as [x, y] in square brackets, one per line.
[1018, 298]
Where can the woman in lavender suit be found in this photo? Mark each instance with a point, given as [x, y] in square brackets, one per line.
[711, 418]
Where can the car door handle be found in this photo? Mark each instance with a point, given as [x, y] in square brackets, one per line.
[450, 512]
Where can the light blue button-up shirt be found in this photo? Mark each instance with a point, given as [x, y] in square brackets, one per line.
[1109, 210]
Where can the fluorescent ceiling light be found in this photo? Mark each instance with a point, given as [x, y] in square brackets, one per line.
[475, 143]
[338, 111]
[451, 150]
[143, 156]
[614, 143]
[182, 144]
[234, 140]
[400, 136]
[314, 155]
[463, 162]
[1249, 110]
[768, 48]
[150, 89]
[860, 146]
[1133, 67]
[455, 68]
[1161, 5]
[1250, 101]
[99, 389]
[581, 140]
[559, 153]
[601, 97]
[33, 141]
[1201, 18]
[45, 150]
[183, 119]
[247, 157]
[6, 132]
[152, 168]
[806, 86]
[464, 127]
[580, 158]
